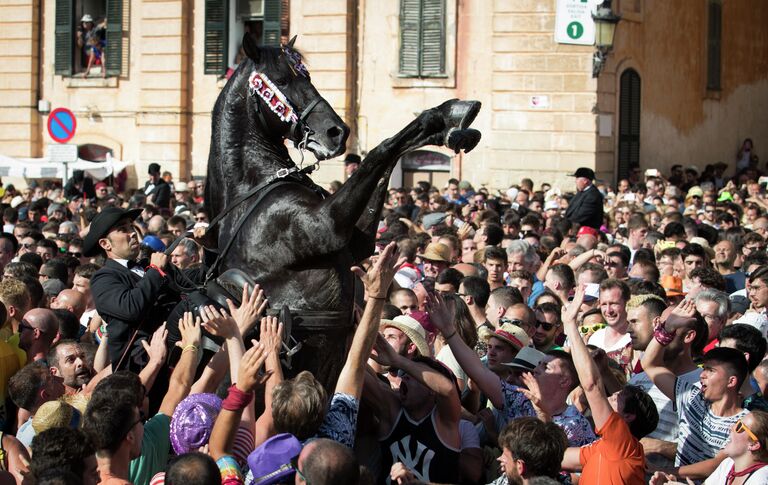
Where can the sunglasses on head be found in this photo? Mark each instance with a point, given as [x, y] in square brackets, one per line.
[585, 329]
[740, 427]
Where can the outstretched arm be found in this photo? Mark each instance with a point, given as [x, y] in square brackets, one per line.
[376, 281]
[184, 373]
[486, 380]
[673, 319]
[589, 375]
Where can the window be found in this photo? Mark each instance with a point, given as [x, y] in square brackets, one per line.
[629, 123]
[226, 21]
[92, 47]
[714, 34]
[422, 38]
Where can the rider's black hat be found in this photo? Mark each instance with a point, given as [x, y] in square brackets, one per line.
[101, 225]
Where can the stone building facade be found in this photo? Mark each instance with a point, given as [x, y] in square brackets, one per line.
[380, 62]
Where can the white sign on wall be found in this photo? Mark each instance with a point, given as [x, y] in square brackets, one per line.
[573, 22]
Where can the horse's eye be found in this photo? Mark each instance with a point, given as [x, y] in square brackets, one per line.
[282, 81]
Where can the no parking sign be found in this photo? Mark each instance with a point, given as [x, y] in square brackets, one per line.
[62, 125]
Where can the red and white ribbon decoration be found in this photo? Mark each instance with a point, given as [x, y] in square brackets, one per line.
[261, 85]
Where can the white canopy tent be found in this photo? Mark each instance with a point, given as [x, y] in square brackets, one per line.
[29, 168]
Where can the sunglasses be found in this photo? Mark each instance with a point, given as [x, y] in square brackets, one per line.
[544, 325]
[740, 427]
[24, 325]
[28, 245]
[75, 255]
[295, 466]
[591, 328]
[201, 219]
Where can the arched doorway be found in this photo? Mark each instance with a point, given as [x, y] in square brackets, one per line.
[434, 167]
[629, 123]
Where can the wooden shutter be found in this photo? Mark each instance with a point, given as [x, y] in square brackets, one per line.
[216, 36]
[410, 33]
[64, 36]
[271, 31]
[432, 38]
[114, 48]
[422, 38]
[629, 123]
[714, 35]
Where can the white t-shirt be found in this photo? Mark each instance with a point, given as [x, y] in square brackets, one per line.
[758, 477]
[598, 340]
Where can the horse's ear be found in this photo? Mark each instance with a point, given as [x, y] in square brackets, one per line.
[250, 47]
[292, 41]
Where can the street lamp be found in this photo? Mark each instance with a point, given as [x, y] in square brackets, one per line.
[605, 28]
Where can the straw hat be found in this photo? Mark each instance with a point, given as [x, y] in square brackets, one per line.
[526, 360]
[513, 335]
[412, 329]
[437, 252]
[55, 414]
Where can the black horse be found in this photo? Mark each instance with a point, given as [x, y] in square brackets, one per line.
[275, 224]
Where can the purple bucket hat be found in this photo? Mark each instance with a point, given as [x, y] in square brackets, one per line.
[192, 422]
[271, 462]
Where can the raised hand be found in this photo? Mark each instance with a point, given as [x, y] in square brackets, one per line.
[251, 307]
[680, 316]
[383, 353]
[380, 275]
[156, 349]
[191, 334]
[219, 323]
[441, 314]
[533, 393]
[271, 334]
[570, 313]
[248, 375]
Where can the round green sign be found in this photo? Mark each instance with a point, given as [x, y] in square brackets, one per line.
[575, 30]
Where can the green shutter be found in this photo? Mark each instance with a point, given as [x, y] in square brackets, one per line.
[714, 35]
[114, 49]
[271, 30]
[432, 38]
[410, 32]
[64, 34]
[216, 36]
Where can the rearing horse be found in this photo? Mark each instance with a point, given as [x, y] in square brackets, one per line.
[287, 234]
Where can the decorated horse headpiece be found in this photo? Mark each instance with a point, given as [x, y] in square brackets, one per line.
[260, 85]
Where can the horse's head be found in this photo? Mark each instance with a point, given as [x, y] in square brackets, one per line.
[287, 102]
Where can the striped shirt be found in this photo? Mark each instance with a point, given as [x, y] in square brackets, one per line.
[667, 427]
[701, 434]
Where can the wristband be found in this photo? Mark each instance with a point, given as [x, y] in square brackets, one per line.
[189, 347]
[662, 335]
[382, 298]
[157, 268]
[448, 337]
[236, 400]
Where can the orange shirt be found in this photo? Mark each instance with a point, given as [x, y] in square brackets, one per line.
[615, 459]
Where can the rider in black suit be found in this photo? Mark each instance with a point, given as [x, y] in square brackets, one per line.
[156, 189]
[129, 297]
[586, 208]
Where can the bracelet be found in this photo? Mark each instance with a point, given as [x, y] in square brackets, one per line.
[236, 399]
[382, 298]
[448, 337]
[189, 347]
[662, 335]
[157, 268]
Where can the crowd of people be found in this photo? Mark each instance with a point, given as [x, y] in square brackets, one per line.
[537, 335]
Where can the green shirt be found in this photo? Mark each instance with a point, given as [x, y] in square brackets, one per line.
[155, 448]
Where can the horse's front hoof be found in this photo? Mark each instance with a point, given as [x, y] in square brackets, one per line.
[466, 140]
[460, 114]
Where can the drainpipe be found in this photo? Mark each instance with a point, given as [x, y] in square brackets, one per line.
[353, 33]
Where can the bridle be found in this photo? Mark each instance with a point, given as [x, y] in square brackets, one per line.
[269, 96]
